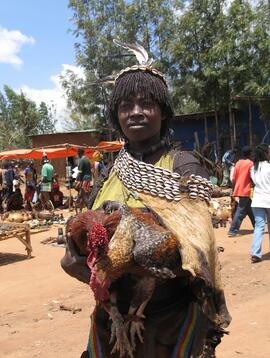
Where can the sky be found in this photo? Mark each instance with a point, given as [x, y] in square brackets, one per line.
[35, 48]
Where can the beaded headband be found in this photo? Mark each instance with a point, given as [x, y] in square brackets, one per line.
[145, 63]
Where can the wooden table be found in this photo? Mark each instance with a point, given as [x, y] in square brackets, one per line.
[19, 231]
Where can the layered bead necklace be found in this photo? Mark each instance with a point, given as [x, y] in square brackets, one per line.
[142, 177]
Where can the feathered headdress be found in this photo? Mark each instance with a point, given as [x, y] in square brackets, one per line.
[140, 53]
[145, 63]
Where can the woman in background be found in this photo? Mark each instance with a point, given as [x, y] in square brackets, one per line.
[260, 175]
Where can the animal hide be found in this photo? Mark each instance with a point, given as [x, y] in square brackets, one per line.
[190, 221]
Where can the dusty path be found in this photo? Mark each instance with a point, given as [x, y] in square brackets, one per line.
[32, 324]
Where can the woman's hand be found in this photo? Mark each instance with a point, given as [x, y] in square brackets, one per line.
[74, 264]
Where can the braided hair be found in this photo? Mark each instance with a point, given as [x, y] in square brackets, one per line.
[147, 84]
[261, 154]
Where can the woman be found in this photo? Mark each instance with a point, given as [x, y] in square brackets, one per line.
[15, 200]
[260, 175]
[242, 189]
[30, 184]
[83, 181]
[140, 108]
[57, 195]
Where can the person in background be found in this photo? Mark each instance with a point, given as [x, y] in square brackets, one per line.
[17, 174]
[70, 165]
[228, 162]
[30, 184]
[47, 173]
[1, 190]
[83, 180]
[260, 175]
[57, 196]
[9, 177]
[242, 188]
[30, 175]
[15, 199]
[4, 182]
[99, 167]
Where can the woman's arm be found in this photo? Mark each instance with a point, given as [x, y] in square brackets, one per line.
[185, 164]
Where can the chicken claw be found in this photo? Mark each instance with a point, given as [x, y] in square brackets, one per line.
[122, 344]
[136, 328]
[118, 333]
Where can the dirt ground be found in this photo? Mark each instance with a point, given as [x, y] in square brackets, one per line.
[32, 324]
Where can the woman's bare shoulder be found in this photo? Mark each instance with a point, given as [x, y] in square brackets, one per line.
[185, 163]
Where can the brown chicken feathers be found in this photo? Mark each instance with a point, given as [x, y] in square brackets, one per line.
[119, 242]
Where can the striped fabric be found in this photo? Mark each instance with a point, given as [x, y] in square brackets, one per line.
[86, 186]
[186, 334]
[46, 187]
[94, 348]
[184, 342]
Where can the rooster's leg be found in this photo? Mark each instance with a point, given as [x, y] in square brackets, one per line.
[118, 330]
[143, 293]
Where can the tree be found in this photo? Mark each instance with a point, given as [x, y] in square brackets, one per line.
[21, 118]
[46, 119]
[85, 100]
[210, 53]
[96, 23]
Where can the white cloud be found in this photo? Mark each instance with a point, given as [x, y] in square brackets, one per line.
[54, 96]
[76, 69]
[10, 46]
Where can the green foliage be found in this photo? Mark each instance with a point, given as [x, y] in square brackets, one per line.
[85, 100]
[20, 118]
[222, 52]
[210, 52]
[96, 23]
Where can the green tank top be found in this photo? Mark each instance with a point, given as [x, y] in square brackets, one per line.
[114, 190]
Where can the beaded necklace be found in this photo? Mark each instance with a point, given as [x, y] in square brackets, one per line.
[142, 177]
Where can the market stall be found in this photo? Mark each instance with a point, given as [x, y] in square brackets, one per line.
[60, 151]
[18, 231]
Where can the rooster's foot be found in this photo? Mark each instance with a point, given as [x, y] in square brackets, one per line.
[122, 344]
[136, 328]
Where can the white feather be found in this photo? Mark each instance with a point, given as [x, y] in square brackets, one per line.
[140, 53]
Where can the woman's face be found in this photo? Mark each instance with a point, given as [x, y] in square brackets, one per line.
[140, 119]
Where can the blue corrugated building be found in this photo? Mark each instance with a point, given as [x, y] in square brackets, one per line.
[209, 126]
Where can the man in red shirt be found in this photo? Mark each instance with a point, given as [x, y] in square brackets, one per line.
[242, 188]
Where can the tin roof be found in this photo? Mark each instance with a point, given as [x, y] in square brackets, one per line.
[91, 130]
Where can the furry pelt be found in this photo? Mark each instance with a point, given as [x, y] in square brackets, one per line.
[191, 222]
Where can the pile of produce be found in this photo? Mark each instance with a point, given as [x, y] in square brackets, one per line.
[17, 216]
[35, 218]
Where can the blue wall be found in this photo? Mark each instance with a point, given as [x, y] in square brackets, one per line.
[184, 130]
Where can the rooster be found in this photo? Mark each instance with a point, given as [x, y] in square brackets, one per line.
[137, 241]
[125, 241]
